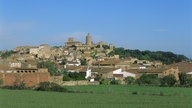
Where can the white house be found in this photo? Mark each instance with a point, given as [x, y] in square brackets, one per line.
[88, 73]
[15, 64]
[189, 73]
[124, 73]
[34, 50]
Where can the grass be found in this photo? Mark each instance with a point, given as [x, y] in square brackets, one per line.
[117, 96]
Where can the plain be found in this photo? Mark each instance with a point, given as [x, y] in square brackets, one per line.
[99, 96]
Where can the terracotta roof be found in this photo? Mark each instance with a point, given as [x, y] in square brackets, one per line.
[4, 67]
[107, 62]
[103, 70]
[118, 75]
[182, 66]
[150, 70]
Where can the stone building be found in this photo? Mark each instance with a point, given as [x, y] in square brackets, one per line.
[88, 39]
[43, 51]
[31, 77]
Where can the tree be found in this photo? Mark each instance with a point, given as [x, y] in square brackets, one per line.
[105, 47]
[165, 57]
[64, 61]
[168, 80]
[114, 82]
[189, 82]
[105, 82]
[73, 76]
[129, 80]
[52, 67]
[83, 62]
[7, 54]
[148, 79]
[183, 79]
[50, 86]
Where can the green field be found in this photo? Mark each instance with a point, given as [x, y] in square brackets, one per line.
[112, 96]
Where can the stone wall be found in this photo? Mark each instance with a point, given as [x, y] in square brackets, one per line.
[83, 82]
[29, 78]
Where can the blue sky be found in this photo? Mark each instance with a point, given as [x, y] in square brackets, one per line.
[154, 25]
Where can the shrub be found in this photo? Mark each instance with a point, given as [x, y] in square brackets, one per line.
[49, 86]
[135, 93]
[129, 80]
[1, 82]
[189, 82]
[19, 86]
[148, 79]
[183, 79]
[73, 76]
[104, 82]
[66, 78]
[168, 80]
[52, 67]
[115, 82]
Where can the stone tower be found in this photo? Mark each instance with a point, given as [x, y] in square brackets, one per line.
[70, 39]
[88, 39]
[111, 47]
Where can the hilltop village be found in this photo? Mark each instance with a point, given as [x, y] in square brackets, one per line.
[93, 60]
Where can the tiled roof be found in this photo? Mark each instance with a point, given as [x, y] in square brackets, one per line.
[182, 66]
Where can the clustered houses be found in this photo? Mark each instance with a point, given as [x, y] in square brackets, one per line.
[99, 62]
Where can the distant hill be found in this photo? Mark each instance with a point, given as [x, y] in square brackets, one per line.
[164, 57]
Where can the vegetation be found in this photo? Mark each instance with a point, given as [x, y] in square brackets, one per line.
[1, 81]
[129, 80]
[115, 82]
[101, 96]
[105, 46]
[7, 54]
[185, 80]
[49, 86]
[148, 79]
[73, 76]
[83, 62]
[165, 57]
[52, 67]
[104, 82]
[109, 82]
[64, 61]
[168, 80]
[16, 85]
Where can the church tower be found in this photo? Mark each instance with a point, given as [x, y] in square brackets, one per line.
[88, 39]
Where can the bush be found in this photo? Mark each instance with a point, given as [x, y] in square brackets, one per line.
[1, 82]
[148, 79]
[7, 54]
[104, 82]
[73, 76]
[189, 82]
[52, 67]
[18, 86]
[135, 93]
[168, 80]
[129, 80]
[66, 78]
[48, 86]
[183, 79]
[115, 82]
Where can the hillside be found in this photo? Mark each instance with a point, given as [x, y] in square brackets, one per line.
[164, 57]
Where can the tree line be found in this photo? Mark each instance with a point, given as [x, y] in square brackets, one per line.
[164, 57]
[166, 81]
